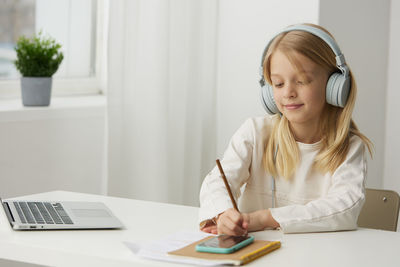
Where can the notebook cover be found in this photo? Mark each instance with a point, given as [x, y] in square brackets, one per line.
[251, 252]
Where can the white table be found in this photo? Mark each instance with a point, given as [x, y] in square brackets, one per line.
[146, 221]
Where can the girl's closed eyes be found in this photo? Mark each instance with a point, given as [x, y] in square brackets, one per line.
[299, 82]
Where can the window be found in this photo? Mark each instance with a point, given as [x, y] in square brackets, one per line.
[77, 25]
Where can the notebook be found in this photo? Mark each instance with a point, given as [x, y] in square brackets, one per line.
[245, 255]
[42, 215]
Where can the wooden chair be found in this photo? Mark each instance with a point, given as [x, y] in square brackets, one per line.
[380, 210]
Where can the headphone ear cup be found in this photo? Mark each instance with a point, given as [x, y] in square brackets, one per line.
[267, 99]
[337, 89]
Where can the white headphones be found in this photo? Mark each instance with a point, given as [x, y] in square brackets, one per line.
[338, 85]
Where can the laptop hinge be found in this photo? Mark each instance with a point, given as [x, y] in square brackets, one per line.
[8, 212]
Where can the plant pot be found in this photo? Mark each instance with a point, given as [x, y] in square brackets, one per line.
[36, 91]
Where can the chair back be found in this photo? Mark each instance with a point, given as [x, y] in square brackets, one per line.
[380, 210]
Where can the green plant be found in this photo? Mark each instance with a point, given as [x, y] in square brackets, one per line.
[38, 56]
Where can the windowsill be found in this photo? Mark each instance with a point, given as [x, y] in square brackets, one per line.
[60, 107]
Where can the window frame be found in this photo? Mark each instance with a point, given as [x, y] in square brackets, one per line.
[91, 85]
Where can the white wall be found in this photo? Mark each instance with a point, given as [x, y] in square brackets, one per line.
[391, 170]
[56, 148]
[362, 31]
[245, 27]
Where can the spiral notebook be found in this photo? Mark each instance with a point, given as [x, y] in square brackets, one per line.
[245, 255]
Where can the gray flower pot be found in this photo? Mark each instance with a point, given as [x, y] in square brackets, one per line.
[36, 91]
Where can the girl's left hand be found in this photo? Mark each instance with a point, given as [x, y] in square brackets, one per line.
[210, 227]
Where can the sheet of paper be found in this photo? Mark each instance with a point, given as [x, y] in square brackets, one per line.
[158, 250]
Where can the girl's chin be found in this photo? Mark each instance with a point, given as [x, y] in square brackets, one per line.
[294, 118]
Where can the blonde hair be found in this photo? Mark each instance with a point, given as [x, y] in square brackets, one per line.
[336, 124]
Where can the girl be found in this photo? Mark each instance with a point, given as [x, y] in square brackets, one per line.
[303, 169]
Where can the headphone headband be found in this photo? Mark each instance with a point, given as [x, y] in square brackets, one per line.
[340, 60]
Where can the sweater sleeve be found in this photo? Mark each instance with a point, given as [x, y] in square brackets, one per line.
[214, 198]
[339, 208]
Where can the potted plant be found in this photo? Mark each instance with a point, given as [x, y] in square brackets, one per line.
[38, 58]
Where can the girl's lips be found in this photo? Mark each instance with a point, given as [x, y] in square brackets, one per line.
[291, 107]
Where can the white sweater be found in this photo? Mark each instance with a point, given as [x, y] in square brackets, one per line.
[309, 202]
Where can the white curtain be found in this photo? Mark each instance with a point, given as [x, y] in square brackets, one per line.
[161, 98]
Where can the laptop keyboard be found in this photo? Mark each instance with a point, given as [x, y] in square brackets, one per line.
[42, 213]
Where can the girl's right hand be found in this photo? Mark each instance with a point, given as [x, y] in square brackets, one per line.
[232, 222]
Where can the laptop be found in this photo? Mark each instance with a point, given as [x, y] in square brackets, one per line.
[42, 215]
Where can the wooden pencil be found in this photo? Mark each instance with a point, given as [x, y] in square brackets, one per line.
[226, 184]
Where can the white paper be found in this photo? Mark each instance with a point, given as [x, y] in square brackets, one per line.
[158, 250]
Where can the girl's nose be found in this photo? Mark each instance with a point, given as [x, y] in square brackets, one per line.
[290, 90]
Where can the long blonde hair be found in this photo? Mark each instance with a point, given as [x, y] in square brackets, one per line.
[336, 124]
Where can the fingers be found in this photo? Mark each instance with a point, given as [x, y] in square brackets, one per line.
[227, 230]
[246, 221]
[212, 229]
[231, 222]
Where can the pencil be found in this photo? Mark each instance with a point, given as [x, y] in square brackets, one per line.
[226, 184]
